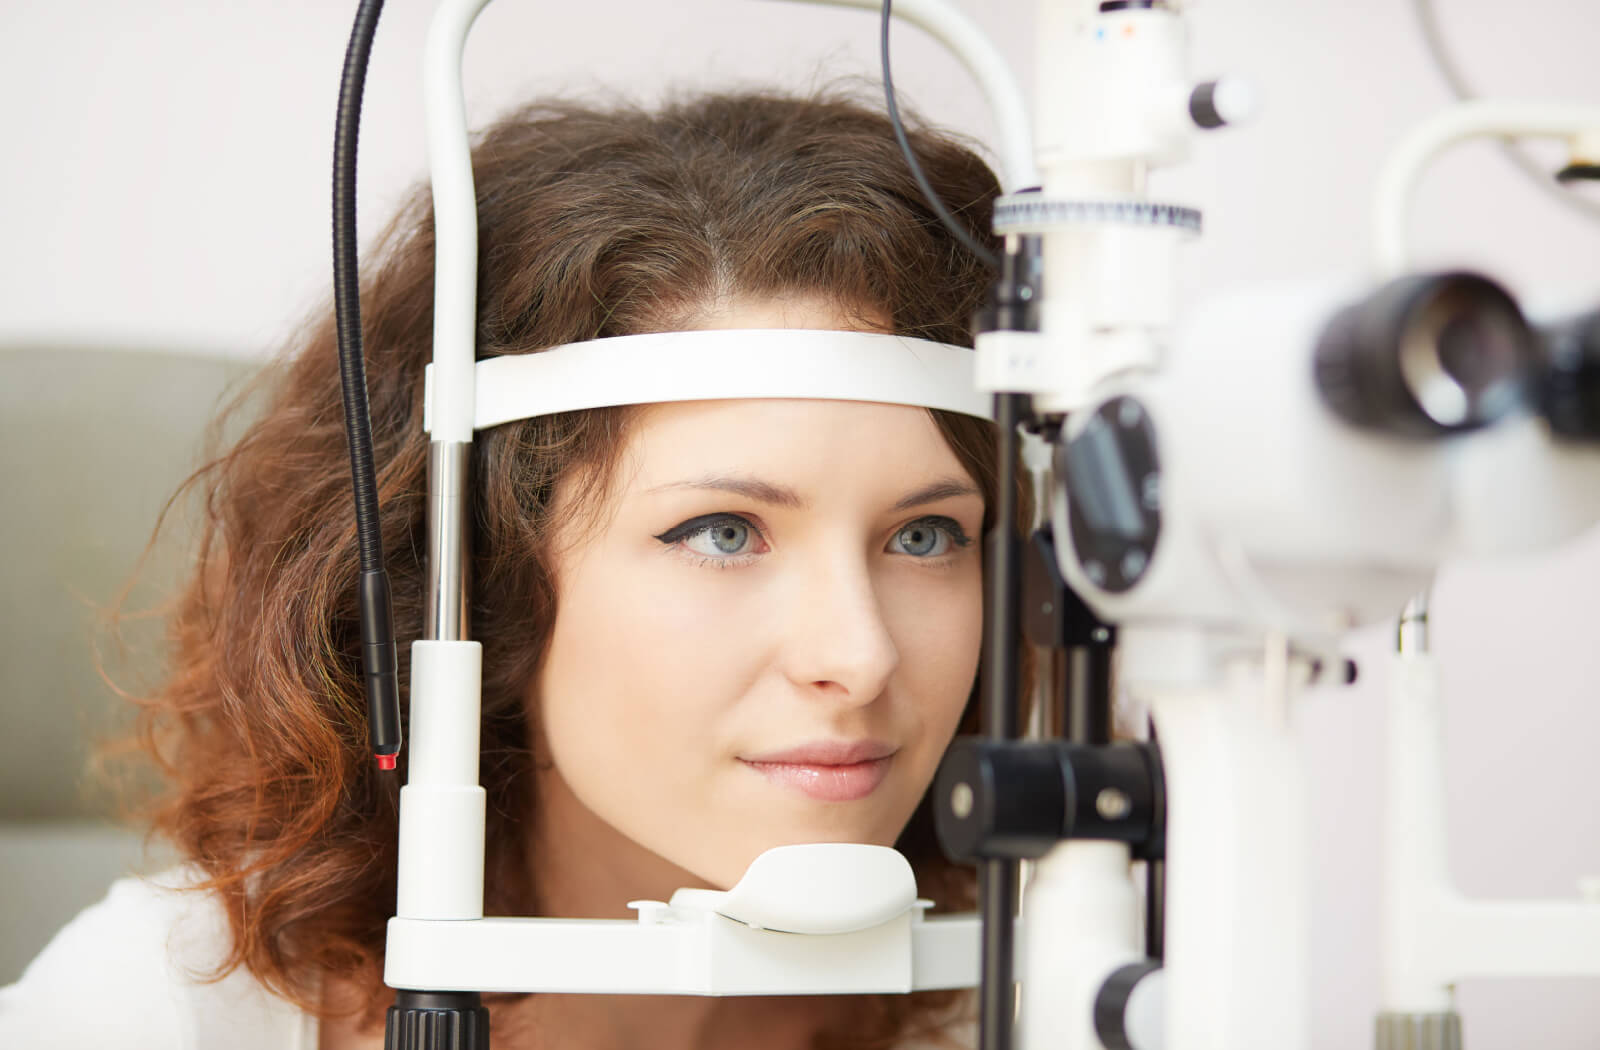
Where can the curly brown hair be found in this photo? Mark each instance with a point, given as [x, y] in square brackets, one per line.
[593, 221]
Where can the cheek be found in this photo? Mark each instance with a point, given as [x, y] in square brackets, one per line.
[636, 691]
[610, 686]
[939, 634]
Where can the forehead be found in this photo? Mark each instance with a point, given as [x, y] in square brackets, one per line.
[811, 443]
[796, 310]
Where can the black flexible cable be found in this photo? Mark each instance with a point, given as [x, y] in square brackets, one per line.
[346, 282]
[379, 660]
[928, 191]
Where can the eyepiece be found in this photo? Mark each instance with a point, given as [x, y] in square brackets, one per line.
[1426, 356]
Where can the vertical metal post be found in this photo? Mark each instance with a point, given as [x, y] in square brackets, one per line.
[1416, 1031]
[997, 879]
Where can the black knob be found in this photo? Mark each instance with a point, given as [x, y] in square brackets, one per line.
[437, 1021]
[1203, 109]
[998, 799]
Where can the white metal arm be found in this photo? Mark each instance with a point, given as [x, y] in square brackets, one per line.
[1465, 120]
[455, 219]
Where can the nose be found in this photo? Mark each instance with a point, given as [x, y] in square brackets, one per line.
[839, 642]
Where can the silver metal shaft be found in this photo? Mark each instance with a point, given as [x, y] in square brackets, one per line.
[445, 619]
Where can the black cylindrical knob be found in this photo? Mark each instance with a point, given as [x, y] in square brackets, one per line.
[437, 1021]
[998, 799]
[1203, 106]
[1219, 103]
[1111, 793]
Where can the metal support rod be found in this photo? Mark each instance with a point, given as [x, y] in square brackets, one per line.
[445, 618]
[1089, 695]
[1155, 869]
[1155, 909]
[997, 879]
[1439, 1030]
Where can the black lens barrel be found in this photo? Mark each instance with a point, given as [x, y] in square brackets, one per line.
[1427, 356]
[1570, 395]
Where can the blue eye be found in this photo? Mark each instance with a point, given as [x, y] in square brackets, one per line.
[714, 537]
[930, 537]
[726, 537]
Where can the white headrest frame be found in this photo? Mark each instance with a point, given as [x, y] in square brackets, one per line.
[722, 364]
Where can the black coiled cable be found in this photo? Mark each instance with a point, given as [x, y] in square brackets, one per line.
[379, 660]
[960, 233]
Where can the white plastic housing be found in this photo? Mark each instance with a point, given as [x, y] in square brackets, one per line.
[1112, 102]
[1104, 308]
[1112, 91]
[818, 888]
[1278, 515]
[1237, 909]
[442, 808]
[455, 211]
[679, 953]
[854, 926]
[1518, 490]
[1080, 924]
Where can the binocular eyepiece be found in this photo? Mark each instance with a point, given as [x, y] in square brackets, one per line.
[1437, 354]
[1429, 355]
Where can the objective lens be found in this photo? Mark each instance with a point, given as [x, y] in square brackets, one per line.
[1426, 356]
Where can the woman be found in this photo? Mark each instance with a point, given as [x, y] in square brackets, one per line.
[708, 628]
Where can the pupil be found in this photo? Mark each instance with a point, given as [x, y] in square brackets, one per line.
[729, 538]
[918, 541]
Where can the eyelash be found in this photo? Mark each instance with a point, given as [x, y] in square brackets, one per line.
[675, 536]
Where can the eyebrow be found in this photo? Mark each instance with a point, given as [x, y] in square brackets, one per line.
[779, 496]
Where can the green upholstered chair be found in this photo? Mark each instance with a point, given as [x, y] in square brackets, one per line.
[92, 443]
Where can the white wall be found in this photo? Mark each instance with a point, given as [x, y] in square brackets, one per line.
[166, 185]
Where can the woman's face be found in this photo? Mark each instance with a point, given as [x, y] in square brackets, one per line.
[768, 634]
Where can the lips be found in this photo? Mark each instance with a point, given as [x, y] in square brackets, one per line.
[827, 753]
[827, 770]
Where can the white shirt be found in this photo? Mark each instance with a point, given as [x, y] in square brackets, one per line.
[127, 974]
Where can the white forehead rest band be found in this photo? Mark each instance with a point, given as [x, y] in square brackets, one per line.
[725, 363]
